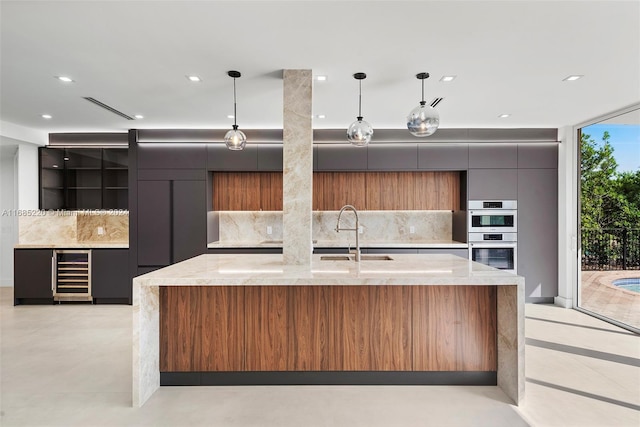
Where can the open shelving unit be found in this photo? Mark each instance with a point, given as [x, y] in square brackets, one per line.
[83, 178]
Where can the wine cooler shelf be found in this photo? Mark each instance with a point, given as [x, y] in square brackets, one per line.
[71, 275]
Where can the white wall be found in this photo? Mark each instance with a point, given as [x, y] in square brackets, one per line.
[567, 217]
[18, 188]
[8, 221]
[27, 184]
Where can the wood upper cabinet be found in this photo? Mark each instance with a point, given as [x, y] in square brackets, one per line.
[412, 191]
[252, 191]
[331, 190]
[247, 191]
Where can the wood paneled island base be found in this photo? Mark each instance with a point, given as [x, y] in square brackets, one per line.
[416, 326]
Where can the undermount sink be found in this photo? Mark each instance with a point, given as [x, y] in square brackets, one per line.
[351, 258]
[375, 258]
[334, 258]
[280, 241]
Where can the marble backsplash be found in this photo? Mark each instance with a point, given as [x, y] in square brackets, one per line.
[69, 227]
[377, 226]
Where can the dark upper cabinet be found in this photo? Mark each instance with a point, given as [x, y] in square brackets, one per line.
[154, 223]
[83, 178]
[270, 157]
[189, 219]
[220, 158]
[489, 156]
[393, 157]
[341, 157]
[443, 157]
[110, 274]
[32, 274]
[537, 156]
[172, 156]
[497, 184]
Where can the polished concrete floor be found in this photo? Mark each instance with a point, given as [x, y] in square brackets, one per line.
[70, 365]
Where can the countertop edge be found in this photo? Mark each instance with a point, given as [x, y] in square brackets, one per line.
[73, 246]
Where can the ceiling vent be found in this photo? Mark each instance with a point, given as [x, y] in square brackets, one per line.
[436, 101]
[108, 108]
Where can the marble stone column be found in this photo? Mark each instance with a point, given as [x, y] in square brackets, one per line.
[297, 159]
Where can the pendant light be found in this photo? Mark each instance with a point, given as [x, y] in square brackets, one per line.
[360, 132]
[424, 119]
[235, 139]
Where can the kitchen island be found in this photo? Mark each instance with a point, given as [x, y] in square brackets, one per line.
[250, 319]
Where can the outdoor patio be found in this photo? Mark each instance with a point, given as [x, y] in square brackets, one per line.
[601, 296]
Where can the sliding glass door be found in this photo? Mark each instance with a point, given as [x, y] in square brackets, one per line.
[609, 219]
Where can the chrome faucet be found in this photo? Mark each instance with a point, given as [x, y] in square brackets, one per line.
[356, 229]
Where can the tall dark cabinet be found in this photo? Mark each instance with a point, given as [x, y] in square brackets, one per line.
[168, 211]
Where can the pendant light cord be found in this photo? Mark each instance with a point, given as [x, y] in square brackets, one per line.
[235, 125]
[360, 101]
[423, 93]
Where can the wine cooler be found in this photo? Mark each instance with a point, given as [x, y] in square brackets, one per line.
[71, 275]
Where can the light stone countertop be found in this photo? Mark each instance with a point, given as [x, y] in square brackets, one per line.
[431, 244]
[269, 270]
[72, 246]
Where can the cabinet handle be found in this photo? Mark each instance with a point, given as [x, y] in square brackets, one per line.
[53, 274]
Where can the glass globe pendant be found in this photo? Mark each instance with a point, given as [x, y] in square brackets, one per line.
[235, 139]
[360, 131]
[424, 119]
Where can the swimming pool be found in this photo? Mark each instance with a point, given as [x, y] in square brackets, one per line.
[631, 284]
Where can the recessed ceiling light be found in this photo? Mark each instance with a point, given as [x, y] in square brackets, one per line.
[572, 78]
[321, 116]
[65, 79]
[230, 116]
[194, 78]
[504, 116]
[65, 159]
[139, 116]
[447, 78]
[46, 116]
[321, 78]
[55, 166]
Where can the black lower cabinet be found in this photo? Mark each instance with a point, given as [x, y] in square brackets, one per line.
[32, 276]
[110, 282]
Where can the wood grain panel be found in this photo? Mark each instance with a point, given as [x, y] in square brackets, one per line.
[391, 324]
[454, 328]
[271, 191]
[373, 197]
[349, 335]
[333, 190]
[334, 328]
[236, 191]
[180, 317]
[476, 341]
[266, 314]
[308, 328]
[223, 340]
[370, 328]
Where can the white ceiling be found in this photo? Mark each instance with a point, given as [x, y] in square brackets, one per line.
[509, 57]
